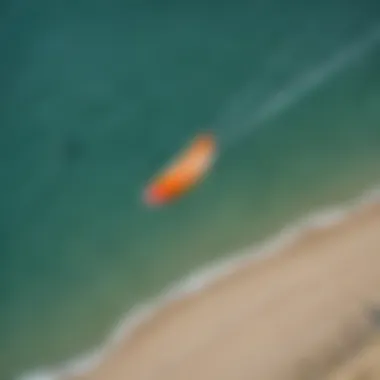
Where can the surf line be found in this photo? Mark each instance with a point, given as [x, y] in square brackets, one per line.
[305, 84]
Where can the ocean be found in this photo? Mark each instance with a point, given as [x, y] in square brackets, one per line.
[97, 95]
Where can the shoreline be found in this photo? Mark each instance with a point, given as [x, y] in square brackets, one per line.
[203, 281]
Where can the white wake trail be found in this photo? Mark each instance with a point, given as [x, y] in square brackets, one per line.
[305, 84]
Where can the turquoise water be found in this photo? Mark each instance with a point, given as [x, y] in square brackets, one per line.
[97, 95]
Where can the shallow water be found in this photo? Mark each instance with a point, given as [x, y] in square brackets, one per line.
[98, 95]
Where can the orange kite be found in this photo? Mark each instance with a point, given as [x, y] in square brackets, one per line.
[183, 173]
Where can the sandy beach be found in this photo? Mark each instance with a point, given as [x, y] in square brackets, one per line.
[364, 365]
[305, 313]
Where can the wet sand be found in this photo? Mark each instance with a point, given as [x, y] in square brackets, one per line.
[305, 313]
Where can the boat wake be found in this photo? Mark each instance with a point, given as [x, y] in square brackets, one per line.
[233, 131]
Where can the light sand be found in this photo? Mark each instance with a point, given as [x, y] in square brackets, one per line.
[365, 365]
[302, 314]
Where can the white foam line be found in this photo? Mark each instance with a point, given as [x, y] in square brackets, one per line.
[305, 84]
[201, 279]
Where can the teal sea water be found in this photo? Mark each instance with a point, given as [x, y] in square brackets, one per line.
[98, 95]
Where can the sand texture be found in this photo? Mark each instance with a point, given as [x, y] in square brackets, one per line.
[305, 313]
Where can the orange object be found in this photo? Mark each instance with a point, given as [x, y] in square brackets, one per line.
[183, 173]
